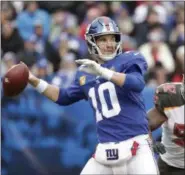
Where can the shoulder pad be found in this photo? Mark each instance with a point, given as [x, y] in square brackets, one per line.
[133, 54]
[169, 95]
[167, 88]
[136, 58]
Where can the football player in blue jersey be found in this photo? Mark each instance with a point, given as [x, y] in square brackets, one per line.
[112, 82]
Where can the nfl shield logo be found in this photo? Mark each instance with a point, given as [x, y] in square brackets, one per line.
[82, 80]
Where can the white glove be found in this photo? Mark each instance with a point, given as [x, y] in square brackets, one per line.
[91, 67]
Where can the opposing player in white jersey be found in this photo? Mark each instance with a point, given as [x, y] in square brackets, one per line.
[169, 112]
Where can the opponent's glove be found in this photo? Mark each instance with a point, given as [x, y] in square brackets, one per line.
[91, 67]
[159, 148]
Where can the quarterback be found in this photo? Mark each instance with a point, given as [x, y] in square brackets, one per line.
[169, 112]
[112, 82]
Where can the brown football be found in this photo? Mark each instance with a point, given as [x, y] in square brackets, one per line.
[15, 80]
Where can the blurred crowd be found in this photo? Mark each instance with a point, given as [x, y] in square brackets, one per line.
[49, 36]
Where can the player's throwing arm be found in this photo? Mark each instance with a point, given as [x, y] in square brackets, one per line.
[50, 91]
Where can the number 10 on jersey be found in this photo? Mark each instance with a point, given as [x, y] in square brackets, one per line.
[105, 111]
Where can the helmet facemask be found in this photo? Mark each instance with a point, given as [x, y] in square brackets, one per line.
[95, 50]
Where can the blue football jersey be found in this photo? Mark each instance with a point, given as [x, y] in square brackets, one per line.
[120, 112]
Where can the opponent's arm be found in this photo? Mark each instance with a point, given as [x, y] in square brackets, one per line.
[155, 118]
[50, 91]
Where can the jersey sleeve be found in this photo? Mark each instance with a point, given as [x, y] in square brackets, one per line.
[134, 69]
[72, 94]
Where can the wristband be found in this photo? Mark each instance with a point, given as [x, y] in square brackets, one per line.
[107, 73]
[41, 87]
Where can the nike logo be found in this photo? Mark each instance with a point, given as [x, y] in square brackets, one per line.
[136, 53]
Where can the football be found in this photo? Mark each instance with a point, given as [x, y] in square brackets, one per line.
[15, 80]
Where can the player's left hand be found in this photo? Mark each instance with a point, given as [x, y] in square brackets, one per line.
[90, 66]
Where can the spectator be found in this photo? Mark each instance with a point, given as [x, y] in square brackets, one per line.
[28, 55]
[8, 12]
[43, 69]
[43, 47]
[103, 8]
[156, 50]
[39, 38]
[70, 42]
[124, 20]
[57, 23]
[91, 14]
[180, 13]
[175, 14]
[26, 19]
[157, 76]
[177, 76]
[177, 35]
[18, 5]
[67, 71]
[9, 59]
[128, 43]
[10, 38]
[62, 22]
[141, 11]
[142, 29]
[64, 34]
[115, 7]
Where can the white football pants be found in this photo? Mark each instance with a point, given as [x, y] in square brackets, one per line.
[142, 163]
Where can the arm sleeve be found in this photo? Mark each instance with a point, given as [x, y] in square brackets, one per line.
[134, 69]
[134, 79]
[71, 95]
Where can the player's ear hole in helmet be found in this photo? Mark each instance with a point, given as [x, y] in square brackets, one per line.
[99, 27]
